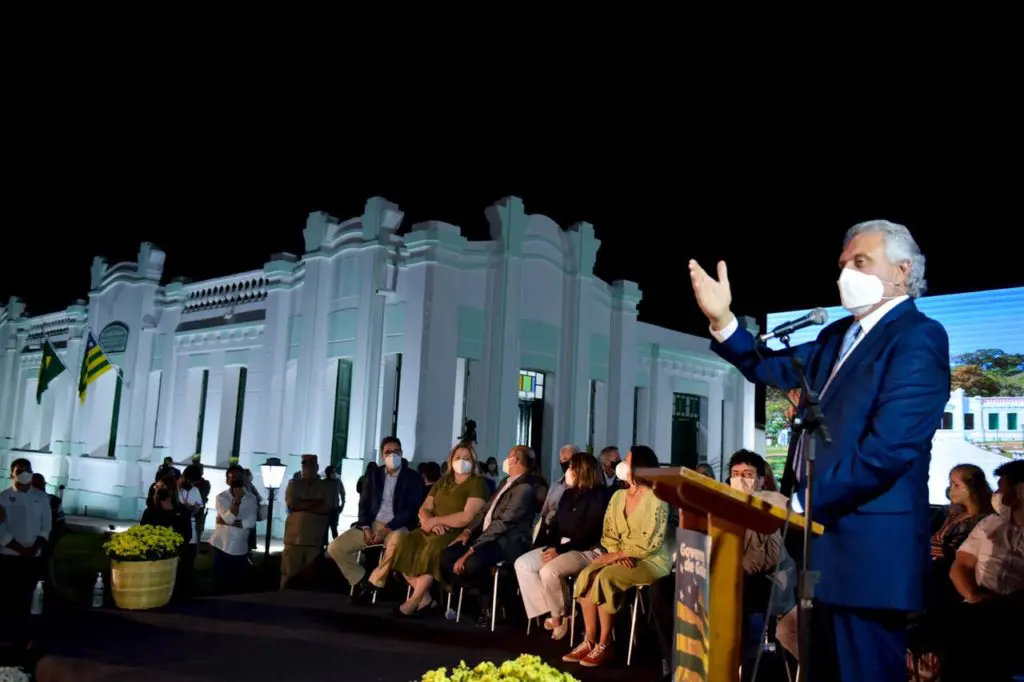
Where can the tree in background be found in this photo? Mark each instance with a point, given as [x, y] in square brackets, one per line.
[989, 372]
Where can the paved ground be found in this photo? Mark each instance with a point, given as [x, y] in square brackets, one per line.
[303, 636]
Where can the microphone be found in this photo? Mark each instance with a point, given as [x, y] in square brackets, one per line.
[816, 316]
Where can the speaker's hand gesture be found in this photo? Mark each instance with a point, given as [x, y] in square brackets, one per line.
[713, 296]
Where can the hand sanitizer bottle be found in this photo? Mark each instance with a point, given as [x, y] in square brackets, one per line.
[97, 592]
[37, 599]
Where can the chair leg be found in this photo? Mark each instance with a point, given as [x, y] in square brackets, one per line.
[494, 601]
[458, 611]
[529, 622]
[572, 624]
[359, 560]
[632, 628]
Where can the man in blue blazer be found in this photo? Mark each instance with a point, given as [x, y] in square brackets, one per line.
[388, 507]
[883, 376]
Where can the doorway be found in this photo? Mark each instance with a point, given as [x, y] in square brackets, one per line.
[530, 428]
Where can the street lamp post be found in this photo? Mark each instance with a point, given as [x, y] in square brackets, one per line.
[273, 473]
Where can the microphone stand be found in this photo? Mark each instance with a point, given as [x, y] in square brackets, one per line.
[811, 427]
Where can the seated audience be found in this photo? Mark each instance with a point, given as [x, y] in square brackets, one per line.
[490, 483]
[704, 469]
[451, 505]
[430, 472]
[236, 514]
[633, 538]
[391, 497]
[610, 459]
[749, 473]
[566, 545]
[501, 531]
[971, 501]
[988, 572]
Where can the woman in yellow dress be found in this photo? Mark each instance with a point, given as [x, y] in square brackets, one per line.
[451, 504]
[635, 554]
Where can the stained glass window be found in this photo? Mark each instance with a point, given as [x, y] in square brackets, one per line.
[531, 385]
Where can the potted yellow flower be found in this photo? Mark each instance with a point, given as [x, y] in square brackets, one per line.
[526, 668]
[143, 563]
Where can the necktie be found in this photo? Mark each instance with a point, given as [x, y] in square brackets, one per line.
[852, 334]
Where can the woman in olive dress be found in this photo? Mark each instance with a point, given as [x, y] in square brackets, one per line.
[450, 506]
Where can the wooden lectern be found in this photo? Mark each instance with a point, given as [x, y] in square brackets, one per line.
[716, 510]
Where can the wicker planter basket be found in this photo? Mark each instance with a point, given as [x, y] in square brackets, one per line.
[138, 585]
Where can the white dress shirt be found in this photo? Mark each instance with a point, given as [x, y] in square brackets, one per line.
[28, 518]
[998, 545]
[229, 538]
[387, 499]
[189, 498]
[497, 496]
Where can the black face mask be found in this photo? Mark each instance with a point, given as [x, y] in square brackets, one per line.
[564, 465]
[163, 494]
[237, 484]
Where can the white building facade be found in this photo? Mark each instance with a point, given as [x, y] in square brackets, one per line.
[369, 333]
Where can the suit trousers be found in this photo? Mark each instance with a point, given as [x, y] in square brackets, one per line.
[345, 549]
[476, 574]
[854, 645]
[543, 584]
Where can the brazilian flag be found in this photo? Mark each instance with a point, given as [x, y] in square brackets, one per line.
[50, 368]
[95, 364]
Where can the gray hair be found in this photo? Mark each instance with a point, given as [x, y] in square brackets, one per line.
[571, 449]
[900, 247]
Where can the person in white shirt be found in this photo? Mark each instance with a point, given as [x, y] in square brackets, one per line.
[192, 499]
[236, 514]
[989, 574]
[25, 524]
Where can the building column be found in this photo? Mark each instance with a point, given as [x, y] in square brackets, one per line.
[388, 394]
[429, 365]
[214, 403]
[134, 395]
[749, 397]
[68, 394]
[269, 369]
[622, 365]
[660, 407]
[379, 221]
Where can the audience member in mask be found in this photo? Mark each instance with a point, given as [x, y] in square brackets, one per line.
[550, 506]
[748, 472]
[25, 524]
[610, 459]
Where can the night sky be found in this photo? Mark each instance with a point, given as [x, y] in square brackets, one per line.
[216, 212]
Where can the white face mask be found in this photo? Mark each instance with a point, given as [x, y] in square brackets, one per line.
[570, 478]
[859, 291]
[24, 478]
[462, 466]
[622, 472]
[505, 466]
[393, 461]
[745, 485]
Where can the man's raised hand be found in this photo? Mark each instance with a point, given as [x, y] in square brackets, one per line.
[713, 296]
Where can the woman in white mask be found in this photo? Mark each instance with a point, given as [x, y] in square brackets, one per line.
[450, 505]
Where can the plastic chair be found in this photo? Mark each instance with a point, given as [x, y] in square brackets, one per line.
[638, 605]
[494, 597]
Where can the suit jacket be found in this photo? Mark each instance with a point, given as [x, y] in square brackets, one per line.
[512, 521]
[870, 486]
[407, 500]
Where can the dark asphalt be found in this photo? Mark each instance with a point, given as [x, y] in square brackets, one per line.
[302, 636]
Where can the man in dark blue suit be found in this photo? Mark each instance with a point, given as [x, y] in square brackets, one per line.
[883, 376]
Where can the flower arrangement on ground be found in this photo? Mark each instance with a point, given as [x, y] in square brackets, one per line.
[144, 543]
[14, 675]
[143, 564]
[526, 668]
